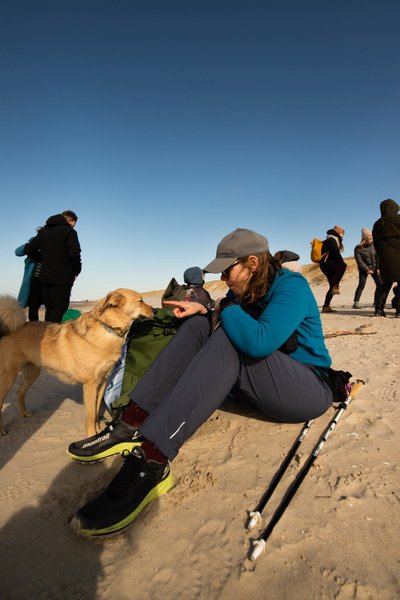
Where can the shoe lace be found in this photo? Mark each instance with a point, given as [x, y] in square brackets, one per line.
[123, 480]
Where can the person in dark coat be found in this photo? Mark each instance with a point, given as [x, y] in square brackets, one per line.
[332, 265]
[386, 234]
[367, 264]
[61, 262]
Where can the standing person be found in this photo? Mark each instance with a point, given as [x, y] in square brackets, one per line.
[367, 264]
[194, 280]
[61, 262]
[30, 293]
[333, 265]
[246, 355]
[386, 234]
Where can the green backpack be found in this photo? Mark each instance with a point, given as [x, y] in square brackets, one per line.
[146, 339]
[174, 291]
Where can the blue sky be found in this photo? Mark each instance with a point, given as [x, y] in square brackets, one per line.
[166, 124]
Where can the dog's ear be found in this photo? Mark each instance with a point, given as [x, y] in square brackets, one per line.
[112, 300]
[115, 300]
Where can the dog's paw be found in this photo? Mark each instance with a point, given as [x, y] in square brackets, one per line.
[3, 431]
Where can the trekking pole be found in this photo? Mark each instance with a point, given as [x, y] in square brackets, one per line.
[259, 544]
[255, 515]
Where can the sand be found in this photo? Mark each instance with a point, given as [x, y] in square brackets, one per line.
[338, 539]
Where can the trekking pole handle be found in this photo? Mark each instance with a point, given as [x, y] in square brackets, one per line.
[356, 388]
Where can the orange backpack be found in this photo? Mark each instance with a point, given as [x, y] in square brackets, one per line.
[316, 251]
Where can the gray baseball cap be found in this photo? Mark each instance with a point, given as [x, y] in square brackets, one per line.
[239, 243]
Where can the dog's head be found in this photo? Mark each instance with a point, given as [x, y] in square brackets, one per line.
[120, 307]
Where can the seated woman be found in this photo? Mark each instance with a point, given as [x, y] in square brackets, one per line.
[264, 343]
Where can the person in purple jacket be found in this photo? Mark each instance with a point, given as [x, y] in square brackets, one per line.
[263, 343]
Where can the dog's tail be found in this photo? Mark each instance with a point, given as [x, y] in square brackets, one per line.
[12, 315]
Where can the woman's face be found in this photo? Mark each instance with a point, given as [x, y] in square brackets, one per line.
[237, 276]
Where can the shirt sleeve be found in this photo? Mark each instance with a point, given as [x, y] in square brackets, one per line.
[287, 307]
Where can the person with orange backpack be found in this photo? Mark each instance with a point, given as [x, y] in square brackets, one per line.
[332, 264]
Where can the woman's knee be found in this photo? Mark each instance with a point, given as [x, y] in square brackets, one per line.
[197, 325]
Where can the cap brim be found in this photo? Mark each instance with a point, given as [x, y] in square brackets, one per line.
[219, 264]
[289, 256]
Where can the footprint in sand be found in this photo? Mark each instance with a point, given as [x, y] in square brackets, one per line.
[205, 567]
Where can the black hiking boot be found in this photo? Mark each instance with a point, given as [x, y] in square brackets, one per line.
[139, 482]
[380, 312]
[114, 439]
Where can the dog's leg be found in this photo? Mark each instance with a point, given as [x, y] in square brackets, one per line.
[99, 398]
[7, 379]
[90, 402]
[30, 373]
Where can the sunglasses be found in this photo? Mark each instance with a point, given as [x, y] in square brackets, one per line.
[226, 272]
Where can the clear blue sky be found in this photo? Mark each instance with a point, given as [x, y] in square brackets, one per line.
[166, 124]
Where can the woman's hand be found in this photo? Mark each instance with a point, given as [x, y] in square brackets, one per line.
[186, 309]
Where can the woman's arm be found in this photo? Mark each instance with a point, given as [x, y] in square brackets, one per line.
[186, 309]
[286, 309]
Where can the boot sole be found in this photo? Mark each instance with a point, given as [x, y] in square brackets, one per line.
[116, 449]
[159, 490]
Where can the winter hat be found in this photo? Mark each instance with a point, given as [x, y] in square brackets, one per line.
[237, 244]
[193, 275]
[365, 233]
[339, 230]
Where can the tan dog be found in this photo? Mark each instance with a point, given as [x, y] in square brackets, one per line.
[80, 351]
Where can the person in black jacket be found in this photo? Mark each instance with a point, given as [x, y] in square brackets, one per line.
[61, 262]
[332, 265]
[367, 264]
[386, 233]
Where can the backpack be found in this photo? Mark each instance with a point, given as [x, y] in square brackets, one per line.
[174, 291]
[146, 339]
[316, 251]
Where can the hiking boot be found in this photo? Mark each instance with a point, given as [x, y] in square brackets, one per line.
[114, 439]
[335, 290]
[356, 305]
[397, 315]
[139, 482]
[380, 313]
[328, 309]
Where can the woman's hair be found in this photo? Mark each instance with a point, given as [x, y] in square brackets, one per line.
[260, 280]
[70, 215]
[338, 236]
[364, 242]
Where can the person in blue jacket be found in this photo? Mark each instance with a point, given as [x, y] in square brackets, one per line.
[30, 293]
[263, 343]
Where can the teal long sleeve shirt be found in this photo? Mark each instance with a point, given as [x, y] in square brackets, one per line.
[290, 306]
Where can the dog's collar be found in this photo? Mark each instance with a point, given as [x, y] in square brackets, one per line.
[116, 330]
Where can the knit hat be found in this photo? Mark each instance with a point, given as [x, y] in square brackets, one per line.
[339, 230]
[193, 275]
[365, 233]
[237, 244]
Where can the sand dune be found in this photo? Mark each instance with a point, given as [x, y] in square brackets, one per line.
[337, 540]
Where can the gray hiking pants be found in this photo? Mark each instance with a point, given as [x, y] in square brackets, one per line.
[193, 375]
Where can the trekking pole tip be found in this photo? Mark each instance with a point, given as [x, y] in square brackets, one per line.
[258, 548]
[255, 518]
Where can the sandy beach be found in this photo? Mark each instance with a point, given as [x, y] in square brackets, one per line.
[337, 540]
